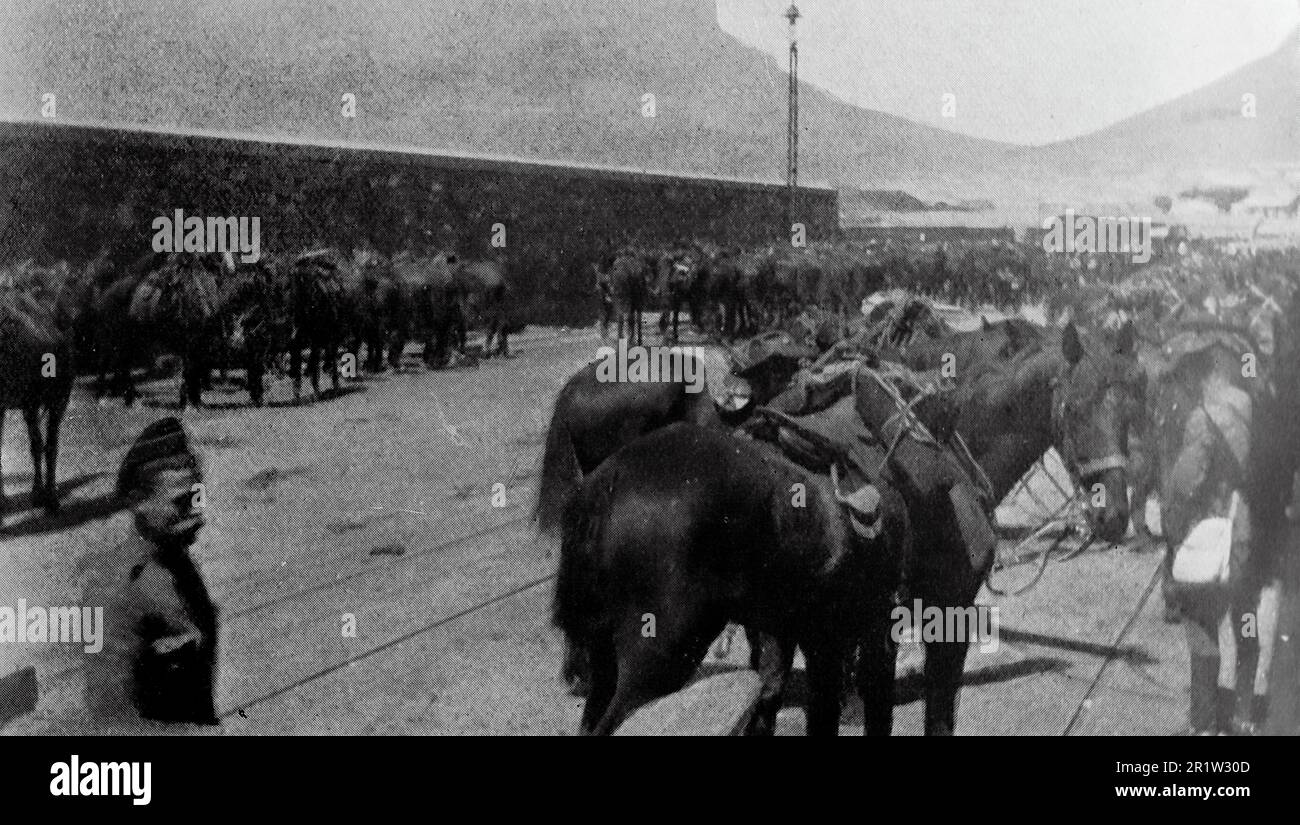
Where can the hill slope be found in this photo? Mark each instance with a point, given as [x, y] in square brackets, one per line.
[557, 79]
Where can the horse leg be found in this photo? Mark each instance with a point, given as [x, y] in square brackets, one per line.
[191, 383]
[332, 355]
[313, 368]
[944, 664]
[295, 369]
[254, 369]
[772, 658]
[52, 423]
[124, 379]
[649, 668]
[503, 330]
[875, 671]
[825, 678]
[462, 332]
[32, 415]
[3, 413]
[602, 677]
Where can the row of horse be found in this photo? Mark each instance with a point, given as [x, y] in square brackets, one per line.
[732, 292]
[212, 311]
[666, 506]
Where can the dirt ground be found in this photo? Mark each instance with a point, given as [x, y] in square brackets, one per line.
[383, 502]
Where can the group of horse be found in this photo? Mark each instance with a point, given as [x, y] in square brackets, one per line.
[732, 292]
[213, 311]
[666, 506]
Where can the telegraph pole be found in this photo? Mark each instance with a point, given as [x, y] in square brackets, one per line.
[792, 130]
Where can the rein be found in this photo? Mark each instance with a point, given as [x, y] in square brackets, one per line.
[1064, 434]
[909, 424]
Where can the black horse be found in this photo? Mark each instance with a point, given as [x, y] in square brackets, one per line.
[255, 308]
[317, 292]
[1078, 396]
[36, 374]
[593, 418]
[689, 527]
[179, 304]
[630, 277]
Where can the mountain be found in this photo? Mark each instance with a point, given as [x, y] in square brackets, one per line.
[1201, 138]
[556, 79]
[565, 79]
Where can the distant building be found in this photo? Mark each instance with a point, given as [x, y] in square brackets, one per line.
[1269, 202]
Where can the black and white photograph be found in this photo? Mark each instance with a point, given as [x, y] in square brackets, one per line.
[650, 368]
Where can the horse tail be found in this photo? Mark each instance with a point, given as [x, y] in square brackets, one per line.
[577, 609]
[560, 474]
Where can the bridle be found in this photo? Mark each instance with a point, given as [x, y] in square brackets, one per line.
[1064, 436]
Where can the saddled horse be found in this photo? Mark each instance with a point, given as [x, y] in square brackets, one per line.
[255, 309]
[437, 315]
[36, 374]
[379, 306]
[487, 298]
[676, 273]
[1051, 392]
[107, 339]
[179, 303]
[1078, 398]
[689, 527]
[630, 278]
[317, 292]
[593, 418]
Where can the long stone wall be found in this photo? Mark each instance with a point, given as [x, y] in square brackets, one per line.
[69, 192]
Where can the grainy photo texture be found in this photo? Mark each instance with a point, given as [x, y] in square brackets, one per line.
[669, 367]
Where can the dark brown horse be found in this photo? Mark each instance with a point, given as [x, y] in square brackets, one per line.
[107, 339]
[487, 302]
[437, 314]
[256, 310]
[379, 307]
[593, 418]
[178, 304]
[36, 374]
[317, 294]
[630, 277]
[1022, 391]
[689, 527]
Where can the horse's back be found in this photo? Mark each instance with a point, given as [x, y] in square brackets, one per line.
[31, 344]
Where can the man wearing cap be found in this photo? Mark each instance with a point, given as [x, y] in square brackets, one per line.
[160, 641]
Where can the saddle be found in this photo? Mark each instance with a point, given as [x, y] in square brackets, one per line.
[886, 425]
[832, 441]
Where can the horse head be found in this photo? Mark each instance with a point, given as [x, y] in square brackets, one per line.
[1098, 395]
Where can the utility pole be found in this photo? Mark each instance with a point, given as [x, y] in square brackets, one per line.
[792, 131]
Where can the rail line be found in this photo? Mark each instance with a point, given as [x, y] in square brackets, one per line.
[434, 625]
[339, 580]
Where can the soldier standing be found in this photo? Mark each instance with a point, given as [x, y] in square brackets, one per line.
[160, 640]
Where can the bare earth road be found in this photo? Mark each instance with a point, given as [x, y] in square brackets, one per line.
[405, 504]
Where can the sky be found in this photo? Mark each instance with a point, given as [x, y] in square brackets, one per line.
[1022, 71]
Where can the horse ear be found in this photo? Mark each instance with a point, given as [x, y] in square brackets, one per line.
[1126, 343]
[1071, 346]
